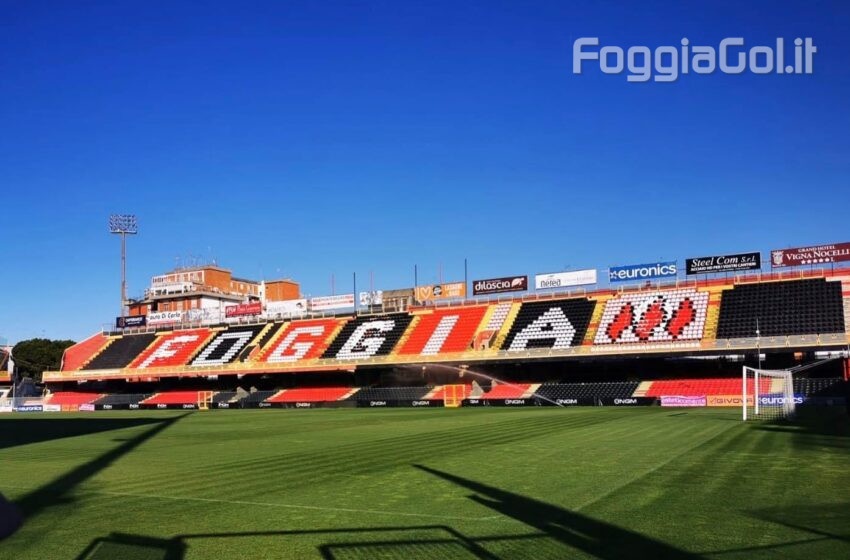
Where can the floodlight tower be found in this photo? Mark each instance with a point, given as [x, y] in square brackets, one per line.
[123, 225]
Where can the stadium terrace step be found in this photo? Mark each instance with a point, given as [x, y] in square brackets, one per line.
[173, 397]
[704, 387]
[549, 324]
[506, 391]
[300, 340]
[172, 349]
[587, 391]
[368, 336]
[81, 353]
[790, 307]
[660, 316]
[443, 331]
[226, 345]
[316, 394]
[390, 394]
[72, 399]
[120, 351]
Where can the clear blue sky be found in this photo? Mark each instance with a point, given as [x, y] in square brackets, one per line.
[302, 139]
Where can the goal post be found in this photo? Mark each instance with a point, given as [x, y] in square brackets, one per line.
[767, 394]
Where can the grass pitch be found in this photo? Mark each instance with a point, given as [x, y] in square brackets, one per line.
[386, 484]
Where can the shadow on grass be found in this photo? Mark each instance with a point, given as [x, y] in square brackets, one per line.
[23, 431]
[578, 531]
[59, 489]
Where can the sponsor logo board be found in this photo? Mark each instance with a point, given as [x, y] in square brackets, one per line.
[243, 309]
[289, 308]
[375, 297]
[328, 303]
[130, 322]
[723, 263]
[728, 400]
[683, 401]
[499, 285]
[800, 256]
[638, 272]
[165, 317]
[565, 279]
[451, 290]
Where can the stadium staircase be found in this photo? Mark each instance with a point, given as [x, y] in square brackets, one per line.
[712, 316]
[595, 319]
[269, 341]
[411, 329]
[506, 325]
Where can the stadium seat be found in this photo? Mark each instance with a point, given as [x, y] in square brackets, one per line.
[552, 324]
[173, 349]
[704, 387]
[299, 340]
[318, 394]
[795, 307]
[507, 391]
[120, 352]
[368, 336]
[443, 331]
[390, 394]
[665, 316]
[173, 397]
[70, 398]
[226, 346]
[81, 353]
[602, 390]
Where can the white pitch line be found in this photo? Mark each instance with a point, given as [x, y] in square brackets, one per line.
[288, 506]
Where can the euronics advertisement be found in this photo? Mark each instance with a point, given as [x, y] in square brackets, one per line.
[638, 272]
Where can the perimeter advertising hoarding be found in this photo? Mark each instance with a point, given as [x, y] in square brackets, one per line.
[499, 285]
[450, 290]
[565, 279]
[683, 401]
[638, 272]
[328, 303]
[243, 309]
[130, 322]
[723, 263]
[799, 256]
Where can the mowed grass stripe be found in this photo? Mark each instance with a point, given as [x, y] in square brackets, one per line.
[345, 460]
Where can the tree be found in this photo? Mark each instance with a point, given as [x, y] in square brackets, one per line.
[37, 355]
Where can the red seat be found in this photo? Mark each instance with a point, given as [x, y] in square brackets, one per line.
[503, 391]
[317, 394]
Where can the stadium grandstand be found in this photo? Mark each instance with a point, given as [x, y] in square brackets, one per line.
[201, 338]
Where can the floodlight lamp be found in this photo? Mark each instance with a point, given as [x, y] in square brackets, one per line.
[123, 223]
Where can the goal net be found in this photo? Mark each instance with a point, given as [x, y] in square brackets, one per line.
[767, 394]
